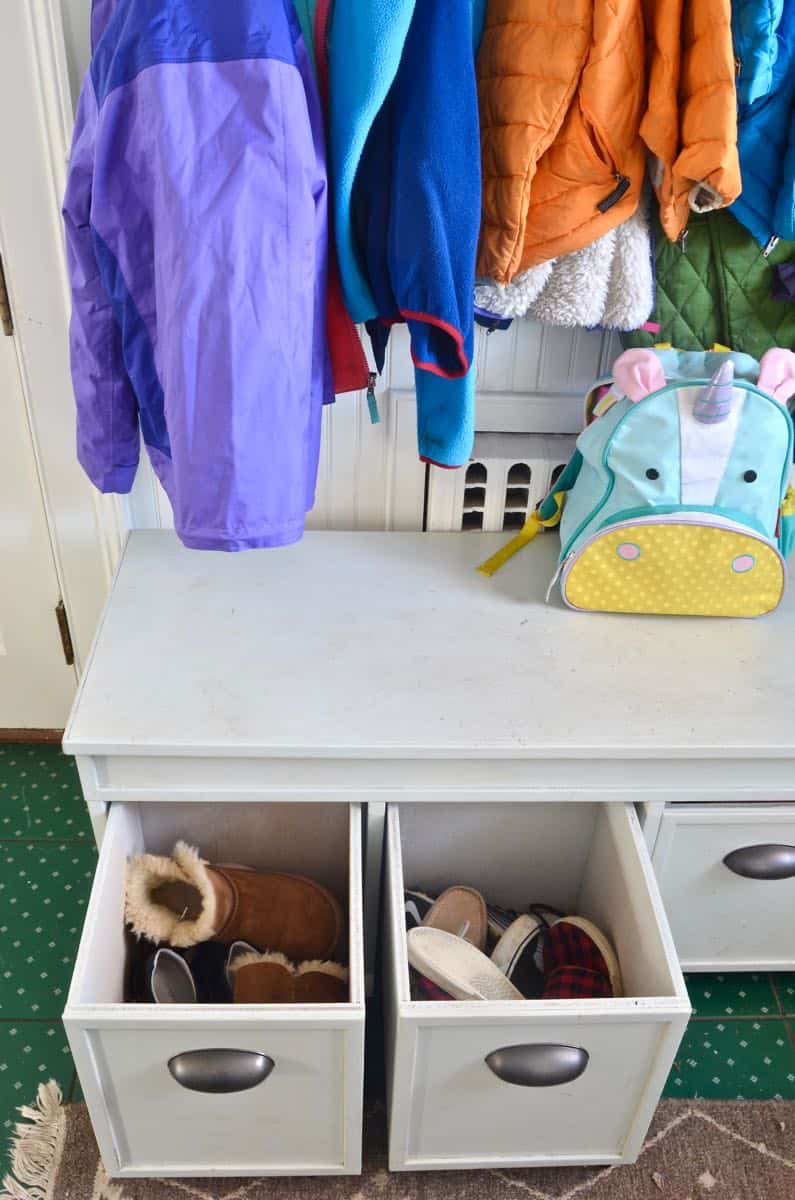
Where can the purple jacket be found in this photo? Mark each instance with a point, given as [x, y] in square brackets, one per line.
[195, 217]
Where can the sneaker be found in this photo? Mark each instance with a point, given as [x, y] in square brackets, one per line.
[579, 962]
[416, 906]
[519, 953]
[501, 918]
[457, 967]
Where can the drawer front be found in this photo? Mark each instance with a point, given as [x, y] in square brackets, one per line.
[460, 1108]
[291, 1122]
[448, 1109]
[305, 1115]
[722, 920]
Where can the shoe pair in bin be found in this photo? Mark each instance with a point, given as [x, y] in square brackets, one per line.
[229, 933]
[539, 954]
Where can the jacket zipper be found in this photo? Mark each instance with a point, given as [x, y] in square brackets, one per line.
[622, 184]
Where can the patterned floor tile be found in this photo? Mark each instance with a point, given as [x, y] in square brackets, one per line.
[43, 895]
[40, 795]
[31, 1052]
[785, 987]
[734, 1060]
[731, 995]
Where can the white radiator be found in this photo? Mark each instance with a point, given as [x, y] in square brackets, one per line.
[510, 473]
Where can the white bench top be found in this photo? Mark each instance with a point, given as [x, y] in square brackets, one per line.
[390, 645]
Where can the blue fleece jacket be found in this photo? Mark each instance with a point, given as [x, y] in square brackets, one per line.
[406, 192]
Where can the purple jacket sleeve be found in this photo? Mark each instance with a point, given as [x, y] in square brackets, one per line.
[322, 382]
[108, 441]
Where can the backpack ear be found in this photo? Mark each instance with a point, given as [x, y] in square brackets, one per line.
[638, 373]
[777, 374]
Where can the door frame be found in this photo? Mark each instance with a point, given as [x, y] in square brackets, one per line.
[87, 530]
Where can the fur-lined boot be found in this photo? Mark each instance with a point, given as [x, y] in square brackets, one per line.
[182, 900]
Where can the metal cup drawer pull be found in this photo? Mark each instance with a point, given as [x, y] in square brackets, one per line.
[771, 861]
[541, 1064]
[220, 1070]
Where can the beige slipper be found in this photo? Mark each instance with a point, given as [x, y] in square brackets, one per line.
[461, 911]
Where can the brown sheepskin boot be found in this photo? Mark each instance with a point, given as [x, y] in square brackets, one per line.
[271, 978]
[182, 900]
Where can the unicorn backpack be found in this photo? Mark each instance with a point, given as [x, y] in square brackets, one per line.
[677, 499]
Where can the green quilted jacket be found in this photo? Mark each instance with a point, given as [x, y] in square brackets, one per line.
[717, 289]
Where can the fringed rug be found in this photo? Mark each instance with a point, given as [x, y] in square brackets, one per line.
[718, 1150]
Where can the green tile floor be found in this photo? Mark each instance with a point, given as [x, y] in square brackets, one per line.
[47, 860]
[740, 1042]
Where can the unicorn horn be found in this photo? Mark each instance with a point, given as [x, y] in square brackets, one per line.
[714, 401]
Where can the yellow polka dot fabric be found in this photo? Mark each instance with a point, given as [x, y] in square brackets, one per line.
[682, 570]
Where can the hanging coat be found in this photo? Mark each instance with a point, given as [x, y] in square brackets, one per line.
[349, 366]
[406, 171]
[561, 91]
[195, 217]
[572, 95]
[690, 123]
[719, 289]
[764, 42]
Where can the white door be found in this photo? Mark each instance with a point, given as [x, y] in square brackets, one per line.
[36, 685]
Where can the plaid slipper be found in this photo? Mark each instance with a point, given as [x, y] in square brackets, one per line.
[422, 988]
[579, 962]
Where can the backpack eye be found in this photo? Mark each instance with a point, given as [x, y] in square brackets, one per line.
[749, 476]
[652, 473]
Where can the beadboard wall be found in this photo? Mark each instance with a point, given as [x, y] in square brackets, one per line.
[530, 379]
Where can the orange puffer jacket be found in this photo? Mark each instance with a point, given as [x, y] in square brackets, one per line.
[690, 125]
[568, 91]
[560, 112]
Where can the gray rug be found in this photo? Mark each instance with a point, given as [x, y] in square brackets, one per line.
[717, 1150]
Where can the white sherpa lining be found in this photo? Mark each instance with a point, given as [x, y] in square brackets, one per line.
[609, 283]
[145, 873]
[251, 957]
[703, 198]
[336, 970]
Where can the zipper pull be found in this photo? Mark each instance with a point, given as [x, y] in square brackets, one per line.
[556, 577]
[681, 241]
[622, 184]
[372, 403]
[771, 245]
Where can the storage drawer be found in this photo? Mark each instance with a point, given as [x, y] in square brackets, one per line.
[306, 1116]
[446, 1107]
[722, 920]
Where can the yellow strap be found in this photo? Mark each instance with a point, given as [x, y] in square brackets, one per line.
[663, 346]
[721, 347]
[788, 503]
[531, 528]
